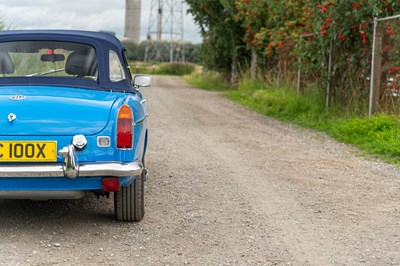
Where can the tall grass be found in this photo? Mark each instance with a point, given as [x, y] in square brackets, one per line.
[283, 102]
[211, 81]
[176, 69]
[379, 136]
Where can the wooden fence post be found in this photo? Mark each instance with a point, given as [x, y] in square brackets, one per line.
[299, 87]
[329, 83]
[253, 67]
[375, 78]
[377, 75]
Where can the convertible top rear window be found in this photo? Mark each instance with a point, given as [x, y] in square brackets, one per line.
[47, 59]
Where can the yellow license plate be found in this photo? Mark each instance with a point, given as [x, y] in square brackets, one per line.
[28, 151]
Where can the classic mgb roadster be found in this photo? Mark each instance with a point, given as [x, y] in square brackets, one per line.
[72, 119]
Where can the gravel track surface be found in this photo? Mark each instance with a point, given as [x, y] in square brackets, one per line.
[226, 187]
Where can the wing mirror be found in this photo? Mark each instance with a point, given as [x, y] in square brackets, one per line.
[142, 81]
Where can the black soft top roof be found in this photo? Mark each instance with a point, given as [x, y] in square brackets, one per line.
[101, 41]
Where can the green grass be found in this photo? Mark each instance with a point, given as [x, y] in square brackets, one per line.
[282, 103]
[378, 136]
[176, 69]
[211, 81]
[142, 68]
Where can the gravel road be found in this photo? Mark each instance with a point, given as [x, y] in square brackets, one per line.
[226, 187]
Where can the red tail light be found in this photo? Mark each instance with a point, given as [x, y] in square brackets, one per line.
[125, 128]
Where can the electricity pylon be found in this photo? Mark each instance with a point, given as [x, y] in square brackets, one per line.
[165, 31]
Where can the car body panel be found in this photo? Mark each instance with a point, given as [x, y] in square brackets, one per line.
[59, 108]
[62, 114]
[56, 183]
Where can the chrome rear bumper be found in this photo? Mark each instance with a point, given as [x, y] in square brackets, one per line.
[43, 195]
[71, 168]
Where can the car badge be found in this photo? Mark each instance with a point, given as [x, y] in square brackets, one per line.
[17, 97]
[12, 117]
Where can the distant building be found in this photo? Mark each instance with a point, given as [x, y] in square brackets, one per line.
[132, 20]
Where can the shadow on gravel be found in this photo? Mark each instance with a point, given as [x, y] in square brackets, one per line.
[65, 212]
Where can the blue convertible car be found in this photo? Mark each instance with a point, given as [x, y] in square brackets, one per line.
[72, 119]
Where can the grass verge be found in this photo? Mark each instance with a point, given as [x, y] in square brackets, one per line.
[378, 136]
[211, 81]
[175, 69]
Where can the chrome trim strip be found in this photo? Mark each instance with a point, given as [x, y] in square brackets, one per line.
[71, 168]
[45, 170]
[57, 170]
[140, 121]
[111, 169]
[42, 194]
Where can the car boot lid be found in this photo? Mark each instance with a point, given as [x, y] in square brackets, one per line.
[48, 111]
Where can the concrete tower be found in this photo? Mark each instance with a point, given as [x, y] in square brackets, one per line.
[132, 20]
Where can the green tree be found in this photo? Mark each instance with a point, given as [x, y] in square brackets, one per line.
[2, 24]
[223, 48]
[273, 29]
[134, 51]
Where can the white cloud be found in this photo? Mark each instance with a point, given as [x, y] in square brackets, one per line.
[77, 14]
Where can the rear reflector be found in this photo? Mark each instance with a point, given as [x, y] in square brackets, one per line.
[111, 184]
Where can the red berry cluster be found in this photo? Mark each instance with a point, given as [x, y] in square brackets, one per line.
[273, 26]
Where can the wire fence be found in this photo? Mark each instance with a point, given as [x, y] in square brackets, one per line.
[385, 66]
[372, 75]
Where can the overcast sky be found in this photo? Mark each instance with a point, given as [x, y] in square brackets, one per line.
[93, 15]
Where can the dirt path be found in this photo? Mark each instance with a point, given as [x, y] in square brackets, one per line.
[227, 187]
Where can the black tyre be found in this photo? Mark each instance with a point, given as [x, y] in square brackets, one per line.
[129, 201]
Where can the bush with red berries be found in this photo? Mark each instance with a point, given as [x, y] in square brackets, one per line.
[274, 28]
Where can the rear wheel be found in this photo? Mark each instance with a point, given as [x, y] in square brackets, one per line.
[129, 201]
